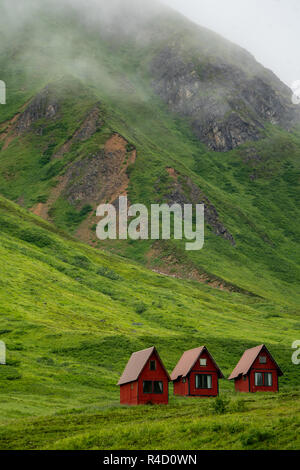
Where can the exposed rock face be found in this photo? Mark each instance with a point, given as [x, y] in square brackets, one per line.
[184, 191]
[225, 104]
[102, 176]
[44, 105]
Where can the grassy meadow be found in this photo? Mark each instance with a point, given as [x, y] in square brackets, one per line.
[72, 315]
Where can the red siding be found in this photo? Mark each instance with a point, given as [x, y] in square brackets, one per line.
[158, 374]
[270, 366]
[128, 394]
[242, 384]
[132, 393]
[189, 388]
[181, 386]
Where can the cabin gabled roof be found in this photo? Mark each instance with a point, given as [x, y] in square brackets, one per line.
[136, 365]
[188, 360]
[247, 360]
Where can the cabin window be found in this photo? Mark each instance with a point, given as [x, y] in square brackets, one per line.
[263, 379]
[259, 379]
[203, 362]
[147, 386]
[152, 365]
[158, 387]
[155, 386]
[183, 381]
[244, 377]
[262, 359]
[268, 379]
[203, 381]
[131, 386]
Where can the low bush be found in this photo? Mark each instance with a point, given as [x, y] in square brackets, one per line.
[220, 405]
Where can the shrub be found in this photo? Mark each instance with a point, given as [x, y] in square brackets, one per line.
[74, 218]
[43, 198]
[81, 262]
[254, 436]
[109, 273]
[36, 237]
[130, 148]
[129, 170]
[86, 210]
[46, 157]
[53, 170]
[220, 405]
[239, 406]
[140, 308]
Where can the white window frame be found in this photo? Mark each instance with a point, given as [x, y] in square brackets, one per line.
[209, 382]
[268, 376]
[256, 379]
[203, 362]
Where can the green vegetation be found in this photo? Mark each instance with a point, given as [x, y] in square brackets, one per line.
[194, 426]
[71, 316]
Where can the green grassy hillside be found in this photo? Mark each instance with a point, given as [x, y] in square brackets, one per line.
[254, 188]
[88, 118]
[72, 315]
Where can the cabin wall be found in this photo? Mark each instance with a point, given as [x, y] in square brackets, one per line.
[189, 388]
[181, 386]
[254, 388]
[270, 366]
[128, 393]
[209, 369]
[242, 384]
[160, 375]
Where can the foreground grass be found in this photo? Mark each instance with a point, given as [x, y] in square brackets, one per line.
[262, 421]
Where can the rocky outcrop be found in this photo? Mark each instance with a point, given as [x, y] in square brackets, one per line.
[102, 176]
[45, 105]
[225, 104]
[184, 191]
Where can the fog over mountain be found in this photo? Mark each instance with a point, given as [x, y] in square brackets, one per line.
[269, 29]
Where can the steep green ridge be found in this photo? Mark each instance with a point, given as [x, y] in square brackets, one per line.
[71, 316]
[253, 187]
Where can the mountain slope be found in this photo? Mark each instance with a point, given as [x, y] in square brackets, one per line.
[134, 99]
[71, 316]
[88, 90]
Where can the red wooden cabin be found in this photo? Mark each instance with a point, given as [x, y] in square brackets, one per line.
[196, 374]
[256, 371]
[144, 380]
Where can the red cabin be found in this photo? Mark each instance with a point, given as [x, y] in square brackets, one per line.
[144, 380]
[256, 371]
[196, 374]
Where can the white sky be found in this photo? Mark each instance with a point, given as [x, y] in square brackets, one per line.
[269, 29]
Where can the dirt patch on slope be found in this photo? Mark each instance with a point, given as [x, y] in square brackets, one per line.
[109, 181]
[7, 131]
[94, 179]
[42, 209]
[170, 265]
